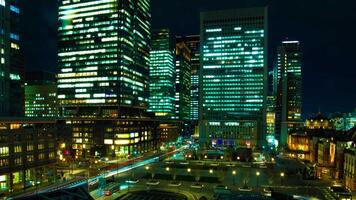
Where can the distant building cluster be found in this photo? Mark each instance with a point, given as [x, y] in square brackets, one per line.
[330, 153]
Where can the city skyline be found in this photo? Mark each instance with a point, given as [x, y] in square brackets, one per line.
[320, 79]
[178, 99]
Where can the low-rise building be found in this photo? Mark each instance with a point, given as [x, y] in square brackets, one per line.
[27, 153]
[318, 122]
[299, 145]
[324, 148]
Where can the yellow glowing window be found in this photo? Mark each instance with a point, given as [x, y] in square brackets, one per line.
[14, 126]
[123, 135]
[122, 142]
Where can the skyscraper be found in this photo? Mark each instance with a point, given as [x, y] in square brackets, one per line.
[104, 71]
[270, 119]
[233, 77]
[289, 89]
[183, 82]
[193, 43]
[11, 60]
[162, 74]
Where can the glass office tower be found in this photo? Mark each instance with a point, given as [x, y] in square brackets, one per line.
[289, 89]
[103, 73]
[193, 43]
[162, 74]
[233, 77]
[183, 82]
[11, 60]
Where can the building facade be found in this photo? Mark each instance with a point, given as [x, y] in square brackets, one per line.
[349, 169]
[193, 43]
[40, 95]
[271, 121]
[11, 60]
[183, 82]
[104, 72]
[162, 74]
[233, 77]
[27, 153]
[289, 89]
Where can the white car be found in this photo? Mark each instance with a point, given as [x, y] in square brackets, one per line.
[175, 184]
[197, 186]
[134, 181]
[245, 189]
[152, 182]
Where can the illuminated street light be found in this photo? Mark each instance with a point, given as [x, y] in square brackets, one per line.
[234, 174]
[211, 171]
[167, 169]
[189, 170]
[147, 167]
[282, 176]
[257, 175]
[205, 156]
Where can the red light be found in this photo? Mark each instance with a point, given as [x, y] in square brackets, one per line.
[66, 152]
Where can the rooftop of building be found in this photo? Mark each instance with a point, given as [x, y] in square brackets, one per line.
[318, 117]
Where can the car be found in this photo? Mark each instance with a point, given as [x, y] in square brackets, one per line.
[245, 189]
[132, 181]
[107, 193]
[263, 166]
[221, 187]
[104, 159]
[152, 182]
[175, 184]
[197, 186]
[267, 191]
[112, 188]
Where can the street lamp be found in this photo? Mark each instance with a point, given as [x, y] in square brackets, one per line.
[282, 176]
[234, 174]
[257, 176]
[147, 167]
[167, 169]
[189, 170]
[210, 171]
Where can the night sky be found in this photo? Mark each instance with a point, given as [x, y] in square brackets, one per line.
[325, 29]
